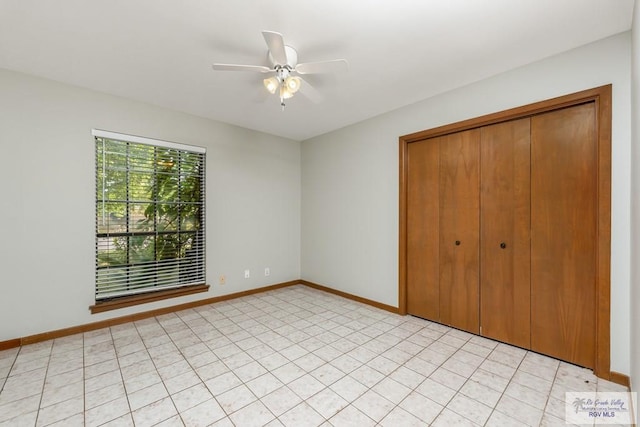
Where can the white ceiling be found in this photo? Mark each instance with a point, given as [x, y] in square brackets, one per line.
[399, 51]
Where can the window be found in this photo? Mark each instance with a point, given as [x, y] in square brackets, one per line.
[150, 211]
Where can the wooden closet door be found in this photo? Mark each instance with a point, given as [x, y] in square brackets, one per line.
[423, 286]
[563, 224]
[505, 285]
[459, 230]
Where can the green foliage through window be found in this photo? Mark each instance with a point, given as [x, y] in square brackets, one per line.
[149, 217]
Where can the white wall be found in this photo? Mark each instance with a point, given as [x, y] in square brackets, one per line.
[350, 176]
[47, 216]
[635, 205]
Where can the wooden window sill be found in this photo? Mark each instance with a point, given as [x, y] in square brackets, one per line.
[129, 301]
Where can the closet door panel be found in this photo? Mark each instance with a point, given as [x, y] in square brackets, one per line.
[563, 221]
[423, 287]
[505, 284]
[459, 230]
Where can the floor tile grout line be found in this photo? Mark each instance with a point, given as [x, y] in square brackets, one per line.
[546, 404]
[44, 382]
[502, 394]
[15, 358]
[115, 351]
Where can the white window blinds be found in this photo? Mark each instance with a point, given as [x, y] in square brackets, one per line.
[150, 215]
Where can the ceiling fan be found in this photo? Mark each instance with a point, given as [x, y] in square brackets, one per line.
[284, 65]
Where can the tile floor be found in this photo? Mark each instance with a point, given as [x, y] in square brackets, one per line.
[293, 357]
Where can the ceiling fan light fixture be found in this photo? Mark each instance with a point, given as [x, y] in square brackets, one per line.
[285, 93]
[293, 84]
[271, 84]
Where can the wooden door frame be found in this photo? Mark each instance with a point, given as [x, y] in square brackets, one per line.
[601, 96]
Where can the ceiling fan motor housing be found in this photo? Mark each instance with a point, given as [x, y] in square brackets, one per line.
[282, 73]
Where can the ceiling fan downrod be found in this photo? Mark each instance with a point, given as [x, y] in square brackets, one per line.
[281, 74]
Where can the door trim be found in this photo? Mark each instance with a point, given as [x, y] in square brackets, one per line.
[601, 96]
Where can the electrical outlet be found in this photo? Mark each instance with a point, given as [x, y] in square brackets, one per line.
[222, 279]
[247, 274]
[267, 272]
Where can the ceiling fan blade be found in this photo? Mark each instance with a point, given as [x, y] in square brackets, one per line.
[238, 67]
[333, 66]
[275, 42]
[309, 91]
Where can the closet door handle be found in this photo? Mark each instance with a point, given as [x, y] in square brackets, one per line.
[457, 242]
[503, 245]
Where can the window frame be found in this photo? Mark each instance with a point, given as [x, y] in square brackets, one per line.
[126, 292]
